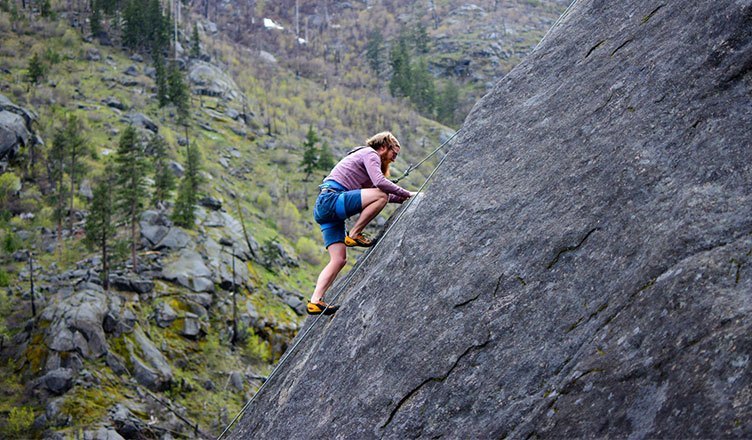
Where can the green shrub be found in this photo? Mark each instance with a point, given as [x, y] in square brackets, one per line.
[11, 243]
[71, 39]
[19, 422]
[256, 348]
[4, 278]
[308, 250]
[264, 201]
[288, 218]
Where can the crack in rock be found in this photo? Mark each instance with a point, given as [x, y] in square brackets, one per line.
[441, 378]
[570, 249]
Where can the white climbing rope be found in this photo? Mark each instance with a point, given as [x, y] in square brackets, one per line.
[556, 23]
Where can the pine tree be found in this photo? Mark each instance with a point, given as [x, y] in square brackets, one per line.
[163, 91]
[56, 159]
[133, 25]
[183, 214]
[447, 103]
[195, 43]
[45, 9]
[399, 58]
[178, 93]
[130, 171]
[310, 152]
[157, 27]
[35, 71]
[100, 225]
[374, 51]
[326, 159]
[76, 148]
[185, 202]
[164, 180]
[423, 89]
[420, 39]
[95, 21]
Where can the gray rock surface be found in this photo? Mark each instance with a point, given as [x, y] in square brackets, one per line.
[579, 267]
[76, 323]
[165, 315]
[141, 120]
[151, 368]
[102, 434]
[57, 381]
[15, 127]
[192, 326]
[220, 260]
[190, 271]
[175, 239]
[208, 79]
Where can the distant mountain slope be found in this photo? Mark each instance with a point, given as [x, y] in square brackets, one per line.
[579, 268]
[471, 43]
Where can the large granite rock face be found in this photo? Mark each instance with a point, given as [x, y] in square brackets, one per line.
[579, 267]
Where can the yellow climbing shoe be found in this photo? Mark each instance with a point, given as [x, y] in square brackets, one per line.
[359, 240]
[320, 307]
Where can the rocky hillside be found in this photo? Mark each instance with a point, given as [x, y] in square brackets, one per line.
[168, 350]
[579, 267]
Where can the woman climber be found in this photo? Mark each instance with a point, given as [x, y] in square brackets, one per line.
[357, 184]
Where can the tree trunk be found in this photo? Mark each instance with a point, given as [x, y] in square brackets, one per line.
[105, 268]
[133, 237]
[72, 195]
[60, 204]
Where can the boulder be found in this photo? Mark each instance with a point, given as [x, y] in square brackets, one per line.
[237, 380]
[220, 260]
[177, 169]
[126, 424]
[132, 70]
[189, 270]
[76, 323]
[204, 299]
[15, 128]
[116, 364]
[267, 57]
[165, 315]
[53, 412]
[192, 327]
[85, 190]
[292, 299]
[208, 79]
[151, 369]
[576, 266]
[92, 54]
[57, 381]
[141, 120]
[102, 434]
[114, 103]
[175, 239]
[131, 283]
[211, 203]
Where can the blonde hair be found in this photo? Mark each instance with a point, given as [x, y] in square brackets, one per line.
[383, 139]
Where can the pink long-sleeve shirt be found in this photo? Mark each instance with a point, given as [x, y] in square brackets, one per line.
[362, 169]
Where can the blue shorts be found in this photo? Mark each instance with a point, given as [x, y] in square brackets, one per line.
[332, 208]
